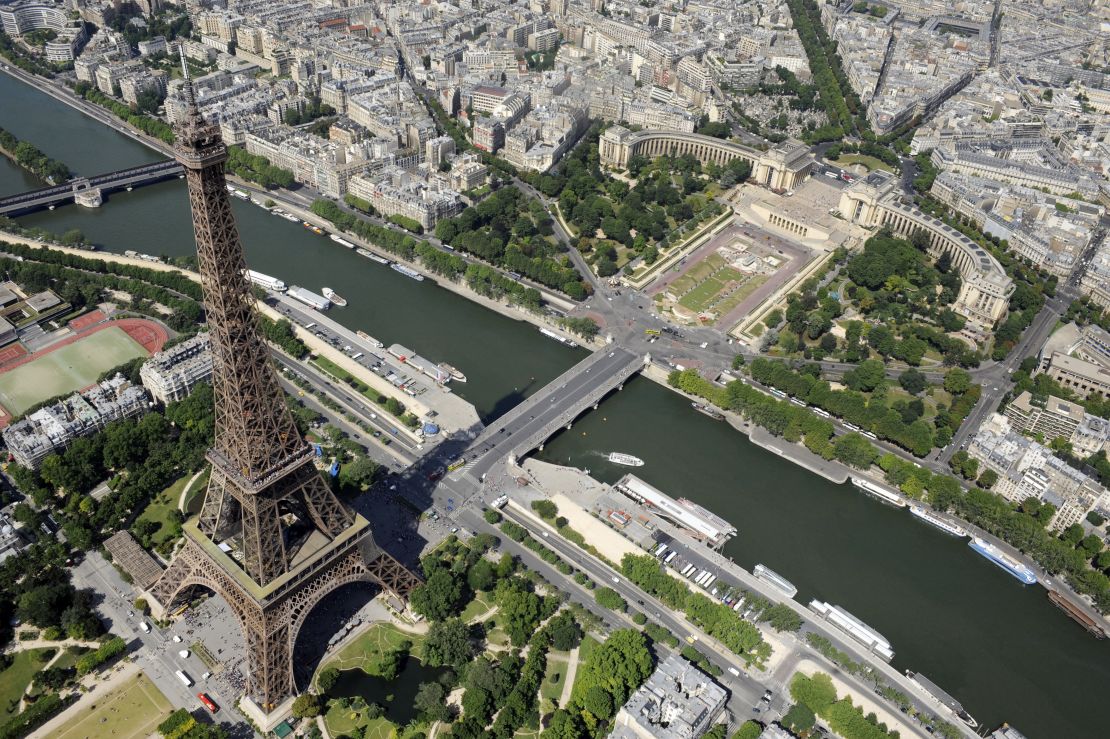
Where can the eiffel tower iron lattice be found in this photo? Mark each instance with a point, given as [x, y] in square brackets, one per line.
[294, 541]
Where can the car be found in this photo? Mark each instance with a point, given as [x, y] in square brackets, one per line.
[176, 639]
[617, 580]
[545, 534]
[455, 530]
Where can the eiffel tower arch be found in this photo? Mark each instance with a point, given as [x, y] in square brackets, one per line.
[271, 538]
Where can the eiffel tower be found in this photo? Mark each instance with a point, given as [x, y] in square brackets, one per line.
[271, 538]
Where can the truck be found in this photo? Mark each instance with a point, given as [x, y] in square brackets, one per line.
[185, 679]
[144, 626]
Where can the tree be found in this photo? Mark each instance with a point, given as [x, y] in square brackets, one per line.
[448, 643]
[307, 705]
[913, 381]
[799, 718]
[988, 479]
[431, 702]
[326, 680]
[609, 598]
[748, 730]
[439, 597]
[481, 575]
[565, 632]
[867, 376]
[598, 702]
[957, 381]
[545, 508]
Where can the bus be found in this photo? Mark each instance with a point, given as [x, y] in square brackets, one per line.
[669, 557]
[208, 702]
[652, 331]
[185, 679]
[777, 393]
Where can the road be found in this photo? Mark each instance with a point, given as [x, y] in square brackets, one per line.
[526, 421]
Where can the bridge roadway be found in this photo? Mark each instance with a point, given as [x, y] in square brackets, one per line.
[532, 422]
[143, 174]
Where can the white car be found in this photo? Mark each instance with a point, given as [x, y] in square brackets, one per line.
[617, 580]
[183, 654]
[176, 639]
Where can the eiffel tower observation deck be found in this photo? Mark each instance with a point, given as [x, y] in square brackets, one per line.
[271, 537]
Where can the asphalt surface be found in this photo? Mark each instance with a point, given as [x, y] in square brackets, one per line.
[534, 416]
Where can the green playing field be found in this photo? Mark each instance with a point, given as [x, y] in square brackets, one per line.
[67, 369]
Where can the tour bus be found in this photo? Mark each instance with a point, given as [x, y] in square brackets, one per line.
[777, 393]
[669, 557]
[357, 356]
[660, 549]
[687, 570]
[310, 326]
[185, 679]
[208, 702]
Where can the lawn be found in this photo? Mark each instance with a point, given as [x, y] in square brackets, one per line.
[703, 297]
[697, 273]
[870, 162]
[481, 604]
[68, 369]
[366, 650]
[738, 297]
[348, 722]
[195, 497]
[585, 650]
[15, 679]
[550, 692]
[129, 711]
[159, 510]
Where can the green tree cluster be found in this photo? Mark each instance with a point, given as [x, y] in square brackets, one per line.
[257, 169]
[29, 157]
[145, 123]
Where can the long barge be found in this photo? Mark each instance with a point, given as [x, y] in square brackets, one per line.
[1077, 614]
[1003, 560]
[855, 628]
[370, 255]
[426, 366]
[878, 491]
[766, 574]
[938, 522]
[943, 697]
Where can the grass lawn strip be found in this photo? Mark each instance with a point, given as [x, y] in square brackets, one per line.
[366, 650]
[15, 679]
[161, 507]
[585, 650]
[131, 711]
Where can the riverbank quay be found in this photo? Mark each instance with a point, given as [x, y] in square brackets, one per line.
[314, 344]
[569, 486]
[503, 307]
[288, 201]
[878, 474]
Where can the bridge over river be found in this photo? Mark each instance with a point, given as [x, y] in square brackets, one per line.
[46, 197]
[534, 421]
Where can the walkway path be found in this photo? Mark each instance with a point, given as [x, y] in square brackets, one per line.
[20, 646]
[572, 669]
[189, 486]
[104, 687]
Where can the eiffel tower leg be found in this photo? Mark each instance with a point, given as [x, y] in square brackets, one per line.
[263, 545]
[167, 587]
[218, 516]
[270, 659]
[327, 512]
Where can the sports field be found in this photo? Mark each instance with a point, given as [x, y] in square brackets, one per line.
[67, 369]
[131, 711]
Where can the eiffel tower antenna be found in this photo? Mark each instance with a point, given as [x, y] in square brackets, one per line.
[271, 537]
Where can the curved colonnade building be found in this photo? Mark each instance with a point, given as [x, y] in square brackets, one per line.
[875, 201]
[18, 17]
[780, 168]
